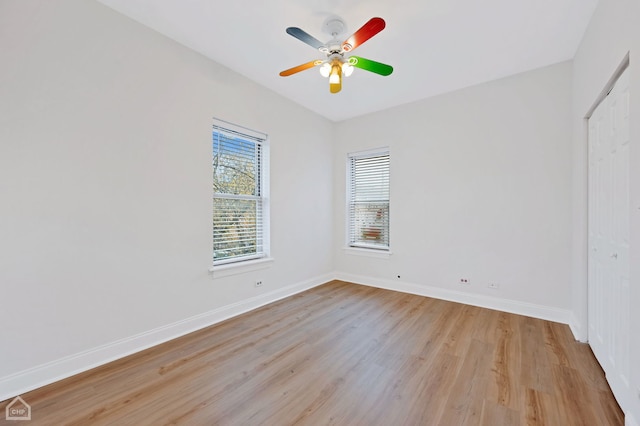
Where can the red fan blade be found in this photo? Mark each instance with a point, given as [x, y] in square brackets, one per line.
[368, 30]
[299, 68]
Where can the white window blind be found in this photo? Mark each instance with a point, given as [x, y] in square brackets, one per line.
[238, 195]
[368, 200]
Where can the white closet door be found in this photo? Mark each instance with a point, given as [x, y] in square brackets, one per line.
[609, 301]
[599, 203]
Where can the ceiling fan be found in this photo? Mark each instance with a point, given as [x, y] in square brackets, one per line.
[336, 64]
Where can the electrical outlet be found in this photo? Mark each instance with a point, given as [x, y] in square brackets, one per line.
[258, 283]
[494, 286]
[465, 281]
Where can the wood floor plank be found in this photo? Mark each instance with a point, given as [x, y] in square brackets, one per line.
[345, 354]
[425, 408]
[535, 371]
[541, 409]
[581, 403]
[556, 343]
[505, 387]
[464, 403]
[497, 414]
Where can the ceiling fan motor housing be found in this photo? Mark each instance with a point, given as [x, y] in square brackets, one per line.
[334, 25]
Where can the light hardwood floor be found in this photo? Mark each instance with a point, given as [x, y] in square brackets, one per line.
[344, 354]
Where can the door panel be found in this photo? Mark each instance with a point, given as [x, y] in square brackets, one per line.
[609, 301]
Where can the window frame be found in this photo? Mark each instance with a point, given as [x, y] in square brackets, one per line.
[262, 181]
[362, 248]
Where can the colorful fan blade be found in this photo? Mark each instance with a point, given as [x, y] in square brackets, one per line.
[335, 78]
[305, 37]
[299, 68]
[369, 65]
[335, 87]
[368, 30]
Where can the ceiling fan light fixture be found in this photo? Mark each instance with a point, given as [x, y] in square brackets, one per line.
[347, 69]
[325, 69]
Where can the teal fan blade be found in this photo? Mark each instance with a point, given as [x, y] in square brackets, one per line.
[305, 37]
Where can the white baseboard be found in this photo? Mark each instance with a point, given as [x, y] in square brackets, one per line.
[33, 378]
[579, 332]
[511, 306]
[42, 375]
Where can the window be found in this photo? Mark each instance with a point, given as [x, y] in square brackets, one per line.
[368, 199]
[240, 207]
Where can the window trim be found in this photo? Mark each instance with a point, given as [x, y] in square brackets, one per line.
[363, 249]
[229, 269]
[262, 139]
[359, 251]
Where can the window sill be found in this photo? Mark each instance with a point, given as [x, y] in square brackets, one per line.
[229, 269]
[378, 254]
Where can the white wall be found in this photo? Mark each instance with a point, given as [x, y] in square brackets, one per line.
[613, 32]
[480, 189]
[105, 187]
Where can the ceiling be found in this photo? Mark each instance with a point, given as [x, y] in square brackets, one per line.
[435, 46]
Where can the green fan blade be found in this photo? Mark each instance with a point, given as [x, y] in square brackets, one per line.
[369, 65]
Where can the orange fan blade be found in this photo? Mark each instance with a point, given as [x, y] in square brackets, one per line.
[299, 68]
[368, 30]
